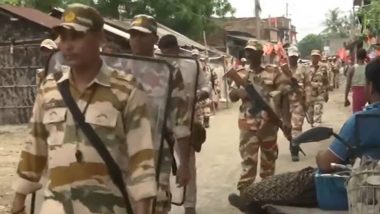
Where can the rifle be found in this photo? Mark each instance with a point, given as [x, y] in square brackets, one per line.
[298, 89]
[259, 103]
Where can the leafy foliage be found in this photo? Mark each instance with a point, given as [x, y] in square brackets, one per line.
[11, 2]
[370, 16]
[309, 43]
[189, 17]
[337, 25]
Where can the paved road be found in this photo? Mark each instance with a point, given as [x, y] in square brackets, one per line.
[219, 162]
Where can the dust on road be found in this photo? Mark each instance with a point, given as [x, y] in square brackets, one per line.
[218, 164]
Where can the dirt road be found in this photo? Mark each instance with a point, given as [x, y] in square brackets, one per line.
[218, 164]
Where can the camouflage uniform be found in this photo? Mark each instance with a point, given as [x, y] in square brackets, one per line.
[316, 88]
[189, 80]
[330, 74]
[297, 101]
[118, 113]
[335, 69]
[178, 122]
[191, 188]
[200, 109]
[253, 135]
[204, 107]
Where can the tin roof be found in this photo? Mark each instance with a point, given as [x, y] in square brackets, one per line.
[32, 15]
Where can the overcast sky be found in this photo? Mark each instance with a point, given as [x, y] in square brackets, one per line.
[306, 15]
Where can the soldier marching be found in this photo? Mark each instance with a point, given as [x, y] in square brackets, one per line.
[257, 133]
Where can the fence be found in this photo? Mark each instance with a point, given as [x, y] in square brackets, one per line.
[18, 64]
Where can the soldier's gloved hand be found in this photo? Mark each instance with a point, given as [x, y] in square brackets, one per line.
[183, 175]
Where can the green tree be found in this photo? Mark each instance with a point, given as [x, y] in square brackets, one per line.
[309, 43]
[189, 17]
[11, 2]
[370, 16]
[335, 25]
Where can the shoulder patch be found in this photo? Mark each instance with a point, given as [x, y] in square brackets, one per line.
[50, 78]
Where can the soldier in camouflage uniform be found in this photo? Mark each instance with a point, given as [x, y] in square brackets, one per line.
[335, 69]
[327, 61]
[143, 31]
[316, 88]
[47, 48]
[203, 111]
[206, 104]
[297, 97]
[215, 92]
[115, 106]
[256, 131]
[168, 45]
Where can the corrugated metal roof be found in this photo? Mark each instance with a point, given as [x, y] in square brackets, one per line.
[244, 38]
[31, 14]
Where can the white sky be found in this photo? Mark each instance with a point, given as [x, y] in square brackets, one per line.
[306, 15]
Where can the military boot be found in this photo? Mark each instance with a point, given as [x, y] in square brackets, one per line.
[294, 152]
[206, 122]
[190, 210]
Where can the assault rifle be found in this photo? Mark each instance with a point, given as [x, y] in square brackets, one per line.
[259, 104]
[294, 83]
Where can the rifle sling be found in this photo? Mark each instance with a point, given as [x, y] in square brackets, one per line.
[113, 169]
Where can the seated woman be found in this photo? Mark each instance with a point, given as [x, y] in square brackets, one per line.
[361, 130]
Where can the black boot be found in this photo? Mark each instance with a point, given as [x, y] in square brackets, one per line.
[207, 122]
[294, 152]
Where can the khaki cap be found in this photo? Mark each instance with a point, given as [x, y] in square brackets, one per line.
[82, 18]
[49, 44]
[144, 23]
[254, 44]
[293, 51]
[315, 53]
[195, 52]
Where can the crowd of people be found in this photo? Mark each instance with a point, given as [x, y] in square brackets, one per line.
[306, 88]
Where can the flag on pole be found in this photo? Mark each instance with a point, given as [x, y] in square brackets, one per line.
[257, 8]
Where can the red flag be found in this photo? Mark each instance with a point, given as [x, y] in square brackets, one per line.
[281, 53]
[342, 53]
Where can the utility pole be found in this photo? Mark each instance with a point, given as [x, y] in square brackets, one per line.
[258, 20]
[287, 10]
